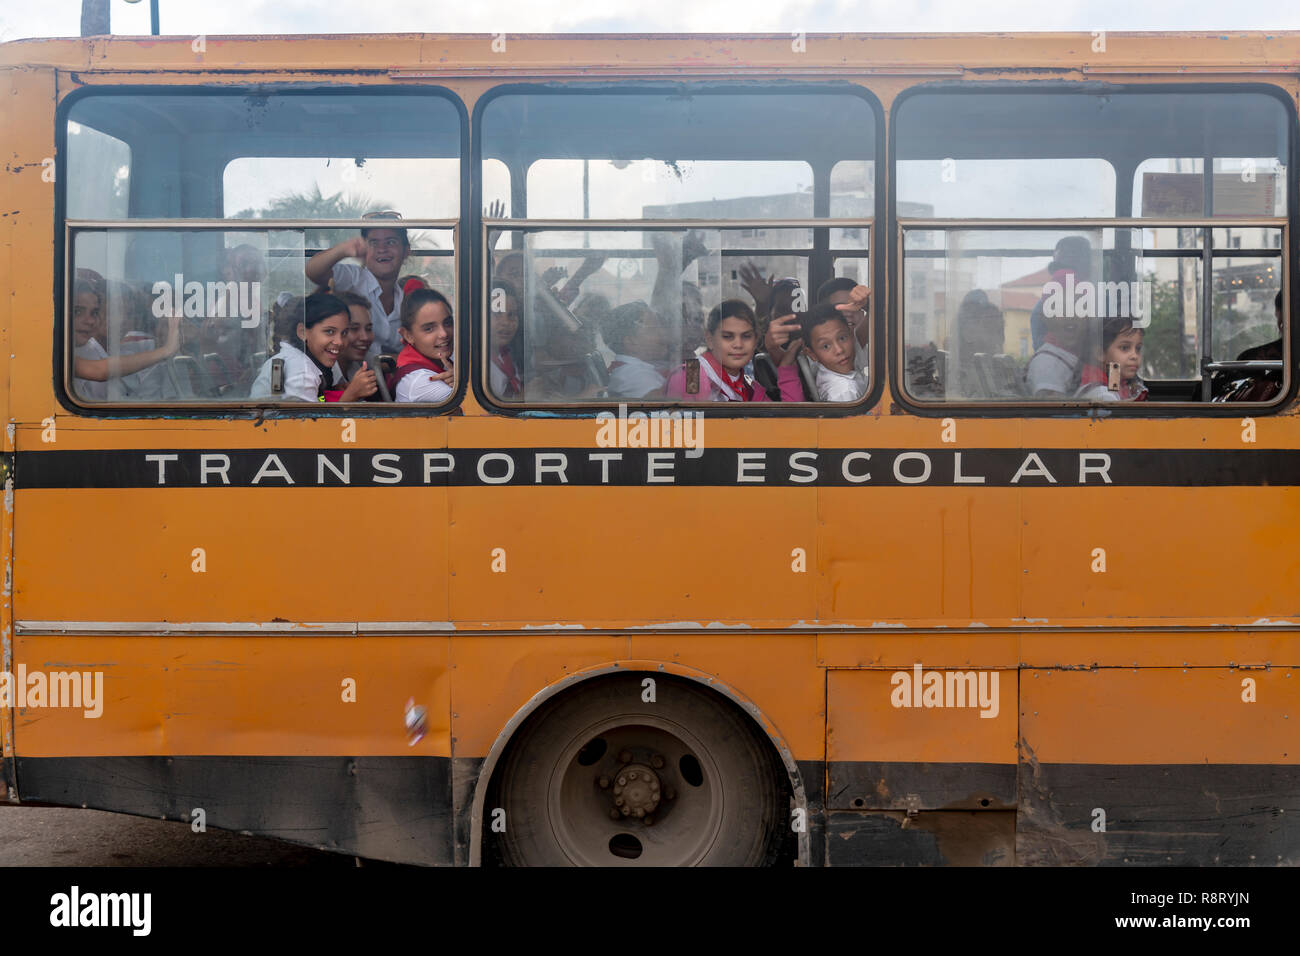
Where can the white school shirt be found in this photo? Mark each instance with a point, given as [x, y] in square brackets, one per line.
[142, 385]
[420, 386]
[86, 388]
[635, 378]
[301, 376]
[835, 386]
[359, 279]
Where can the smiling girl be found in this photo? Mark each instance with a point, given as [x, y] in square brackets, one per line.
[311, 354]
[730, 338]
[424, 372]
[92, 364]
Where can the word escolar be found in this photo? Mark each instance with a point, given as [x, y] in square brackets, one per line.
[528, 466]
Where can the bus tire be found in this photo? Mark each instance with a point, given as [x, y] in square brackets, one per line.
[610, 775]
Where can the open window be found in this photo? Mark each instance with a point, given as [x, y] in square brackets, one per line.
[631, 215]
[190, 218]
[1048, 236]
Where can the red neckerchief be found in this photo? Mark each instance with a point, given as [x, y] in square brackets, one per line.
[1092, 375]
[409, 357]
[408, 361]
[503, 361]
[737, 383]
[1129, 390]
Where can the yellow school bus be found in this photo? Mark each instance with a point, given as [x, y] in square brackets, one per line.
[1011, 585]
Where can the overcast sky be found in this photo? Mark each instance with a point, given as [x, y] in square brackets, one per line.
[28, 18]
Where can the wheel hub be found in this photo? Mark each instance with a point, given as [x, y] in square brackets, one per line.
[636, 791]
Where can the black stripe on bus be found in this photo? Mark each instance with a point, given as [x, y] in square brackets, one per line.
[401, 809]
[634, 467]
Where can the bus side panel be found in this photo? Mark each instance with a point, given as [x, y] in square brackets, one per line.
[1160, 765]
[27, 98]
[384, 808]
[497, 676]
[922, 766]
[229, 554]
[300, 738]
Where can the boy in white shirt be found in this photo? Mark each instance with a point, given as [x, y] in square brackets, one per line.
[383, 250]
[832, 343]
[639, 338]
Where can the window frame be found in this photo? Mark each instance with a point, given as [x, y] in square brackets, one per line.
[63, 365]
[876, 249]
[1290, 260]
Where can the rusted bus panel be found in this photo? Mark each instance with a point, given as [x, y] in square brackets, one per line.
[394, 808]
[1159, 765]
[921, 738]
[283, 554]
[929, 838]
[1172, 553]
[1228, 814]
[205, 696]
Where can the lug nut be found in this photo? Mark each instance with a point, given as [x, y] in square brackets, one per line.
[626, 811]
[618, 801]
[614, 814]
[604, 783]
[656, 761]
[622, 780]
[639, 812]
[625, 757]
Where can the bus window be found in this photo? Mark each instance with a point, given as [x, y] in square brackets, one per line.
[192, 312]
[588, 310]
[1030, 306]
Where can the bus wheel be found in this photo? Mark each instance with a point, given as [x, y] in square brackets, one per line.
[603, 777]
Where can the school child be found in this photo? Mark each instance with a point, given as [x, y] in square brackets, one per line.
[92, 365]
[361, 335]
[424, 372]
[311, 355]
[504, 373]
[831, 341]
[639, 338]
[843, 291]
[1053, 372]
[1121, 344]
[731, 336]
[383, 250]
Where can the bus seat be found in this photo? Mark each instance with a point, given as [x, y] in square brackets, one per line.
[1006, 378]
[190, 376]
[807, 376]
